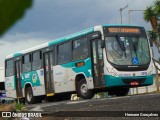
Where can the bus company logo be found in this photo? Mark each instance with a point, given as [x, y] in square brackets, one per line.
[34, 78]
[6, 114]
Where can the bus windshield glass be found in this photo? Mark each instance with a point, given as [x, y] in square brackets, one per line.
[127, 50]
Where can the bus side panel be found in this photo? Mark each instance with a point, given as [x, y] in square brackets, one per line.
[64, 75]
[64, 79]
[10, 87]
[86, 70]
[40, 90]
[36, 80]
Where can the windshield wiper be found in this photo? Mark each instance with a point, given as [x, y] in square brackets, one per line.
[134, 48]
[121, 44]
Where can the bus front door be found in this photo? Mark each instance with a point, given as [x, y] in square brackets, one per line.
[48, 73]
[18, 78]
[97, 63]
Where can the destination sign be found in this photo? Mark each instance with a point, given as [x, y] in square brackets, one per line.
[123, 30]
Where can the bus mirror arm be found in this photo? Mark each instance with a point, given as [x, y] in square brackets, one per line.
[151, 41]
[102, 44]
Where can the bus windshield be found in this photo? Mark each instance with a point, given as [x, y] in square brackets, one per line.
[127, 50]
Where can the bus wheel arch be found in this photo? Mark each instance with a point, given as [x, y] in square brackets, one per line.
[29, 98]
[77, 79]
[82, 88]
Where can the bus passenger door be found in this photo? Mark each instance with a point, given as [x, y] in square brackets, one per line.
[18, 78]
[48, 73]
[97, 63]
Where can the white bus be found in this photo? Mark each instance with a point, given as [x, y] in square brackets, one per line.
[111, 58]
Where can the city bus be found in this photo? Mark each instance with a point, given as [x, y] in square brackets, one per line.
[108, 58]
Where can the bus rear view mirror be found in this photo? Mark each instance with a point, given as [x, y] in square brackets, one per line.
[151, 41]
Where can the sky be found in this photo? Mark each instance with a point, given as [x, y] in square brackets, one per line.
[51, 19]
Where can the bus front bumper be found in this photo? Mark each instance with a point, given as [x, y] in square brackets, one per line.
[131, 81]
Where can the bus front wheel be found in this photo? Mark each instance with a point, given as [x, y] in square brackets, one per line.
[83, 90]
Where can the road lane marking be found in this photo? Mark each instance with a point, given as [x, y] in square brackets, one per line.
[75, 102]
[92, 106]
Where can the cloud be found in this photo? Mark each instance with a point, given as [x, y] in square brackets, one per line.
[17, 36]
[18, 42]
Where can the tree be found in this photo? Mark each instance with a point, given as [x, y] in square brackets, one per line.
[11, 11]
[157, 7]
[152, 14]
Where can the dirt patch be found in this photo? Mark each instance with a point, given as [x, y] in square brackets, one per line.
[7, 107]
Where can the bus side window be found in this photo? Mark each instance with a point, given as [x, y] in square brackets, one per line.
[80, 49]
[64, 53]
[9, 68]
[26, 66]
[36, 60]
[94, 52]
[100, 56]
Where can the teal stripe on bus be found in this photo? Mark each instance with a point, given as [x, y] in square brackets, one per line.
[30, 77]
[17, 54]
[74, 35]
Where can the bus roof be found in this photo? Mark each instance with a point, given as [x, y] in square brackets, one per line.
[62, 39]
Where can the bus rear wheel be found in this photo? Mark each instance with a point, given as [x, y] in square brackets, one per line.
[30, 99]
[83, 91]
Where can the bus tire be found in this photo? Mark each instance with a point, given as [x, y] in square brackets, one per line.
[30, 99]
[83, 91]
[121, 91]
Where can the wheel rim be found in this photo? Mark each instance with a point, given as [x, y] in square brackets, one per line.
[84, 89]
[29, 96]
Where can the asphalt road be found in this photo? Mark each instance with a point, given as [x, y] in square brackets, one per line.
[139, 107]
